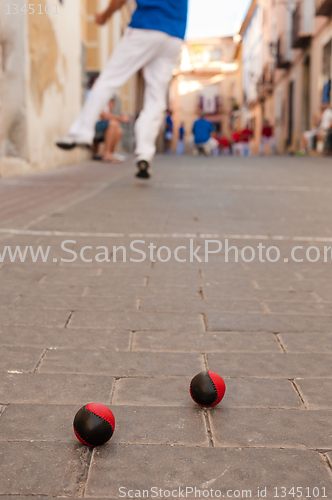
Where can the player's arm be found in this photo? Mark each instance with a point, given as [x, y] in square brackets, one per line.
[113, 6]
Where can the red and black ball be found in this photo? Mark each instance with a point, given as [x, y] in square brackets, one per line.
[94, 424]
[207, 388]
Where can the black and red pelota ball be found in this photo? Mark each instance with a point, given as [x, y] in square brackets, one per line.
[94, 424]
[207, 388]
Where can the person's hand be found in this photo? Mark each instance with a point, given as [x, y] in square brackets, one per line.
[125, 118]
[100, 18]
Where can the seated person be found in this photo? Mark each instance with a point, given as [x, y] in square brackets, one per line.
[267, 138]
[325, 128]
[246, 135]
[203, 139]
[109, 131]
[310, 137]
[225, 144]
[236, 146]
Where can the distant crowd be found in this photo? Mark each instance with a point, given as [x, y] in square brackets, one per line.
[318, 140]
[208, 142]
[203, 138]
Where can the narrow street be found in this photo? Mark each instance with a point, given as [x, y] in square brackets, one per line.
[131, 335]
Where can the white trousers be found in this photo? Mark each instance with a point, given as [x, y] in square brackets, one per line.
[237, 148]
[157, 53]
[270, 142]
[245, 149]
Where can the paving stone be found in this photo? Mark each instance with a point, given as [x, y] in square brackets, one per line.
[7, 300]
[307, 342]
[213, 288]
[270, 294]
[260, 393]
[55, 388]
[141, 467]
[325, 294]
[267, 322]
[20, 273]
[115, 340]
[300, 308]
[227, 270]
[269, 428]
[64, 289]
[26, 497]
[271, 365]
[97, 270]
[168, 292]
[137, 320]
[121, 364]
[15, 358]
[38, 468]
[70, 272]
[286, 296]
[36, 422]
[317, 286]
[240, 392]
[317, 393]
[152, 392]
[199, 305]
[111, 283]
[34, 317]
[205, 342]
[78, 303]
[160, 425]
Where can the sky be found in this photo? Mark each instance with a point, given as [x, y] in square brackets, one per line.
[215, 17]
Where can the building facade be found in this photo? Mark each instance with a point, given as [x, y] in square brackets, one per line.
[47, 53]
[206, 81]
[288, 77]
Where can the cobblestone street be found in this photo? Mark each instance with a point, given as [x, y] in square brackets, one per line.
[131, 335]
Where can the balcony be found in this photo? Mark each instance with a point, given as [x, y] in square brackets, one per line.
[284, 52]
[265, 82]
[302, 24]
[324, 8]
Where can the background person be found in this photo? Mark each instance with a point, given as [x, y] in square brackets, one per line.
[153, 42]
[202, 130]
[109, 130]
[236, 145]
[225, 146]
[309, 137]
[325, 129]
[168, 133]
[246, 135]
[267, 138]
[180, 146]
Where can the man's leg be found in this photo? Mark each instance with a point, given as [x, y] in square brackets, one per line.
[136, 49]
[157, 75]
[113, 136]
[271, 146]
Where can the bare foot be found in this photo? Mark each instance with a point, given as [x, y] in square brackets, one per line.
[110, 158]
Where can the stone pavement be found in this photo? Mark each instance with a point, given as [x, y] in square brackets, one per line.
[132, 335]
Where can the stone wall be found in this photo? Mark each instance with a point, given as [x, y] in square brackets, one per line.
[41, 91]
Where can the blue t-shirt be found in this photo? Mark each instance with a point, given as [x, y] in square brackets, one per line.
[169, 124]
[168, 16]
[202, 130]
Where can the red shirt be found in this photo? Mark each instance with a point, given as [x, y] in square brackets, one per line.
[267, 131]
[224, 142]
[236, 136]
[246, 134]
